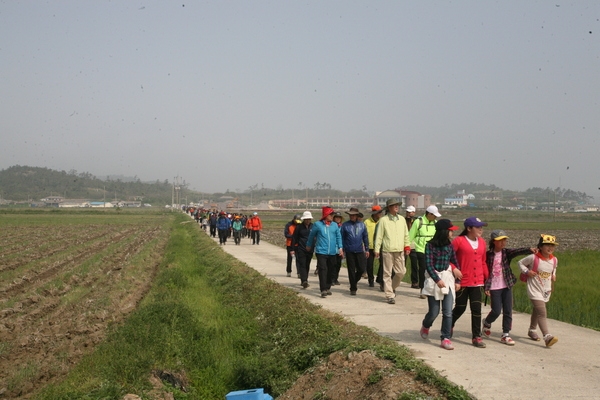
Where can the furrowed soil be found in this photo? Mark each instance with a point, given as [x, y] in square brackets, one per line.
[60, 288]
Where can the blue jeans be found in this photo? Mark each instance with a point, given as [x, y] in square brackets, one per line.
[501, 303]
[434, 310]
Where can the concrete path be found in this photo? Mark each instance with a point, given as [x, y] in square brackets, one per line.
[528, 370]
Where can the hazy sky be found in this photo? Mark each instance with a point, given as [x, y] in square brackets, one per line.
[228, 94]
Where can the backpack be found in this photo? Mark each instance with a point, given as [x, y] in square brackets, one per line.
[536, 261]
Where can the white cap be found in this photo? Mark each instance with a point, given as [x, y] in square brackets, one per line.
[410, 209]
[306, 215]
[434, 210]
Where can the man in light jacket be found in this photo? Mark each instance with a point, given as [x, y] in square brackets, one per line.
[392, 244]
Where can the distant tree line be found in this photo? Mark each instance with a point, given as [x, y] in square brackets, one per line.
[22, 183]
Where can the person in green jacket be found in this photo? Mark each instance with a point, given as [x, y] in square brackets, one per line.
[421, 232]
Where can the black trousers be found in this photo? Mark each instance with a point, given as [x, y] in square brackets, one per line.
[237, 237]
[473, 295]
[414, 268]
[255, 237]
[357, 263]
[421, 261]
[370, 262]
[303, 259]
[326, 265]
[338, 267]
[288, 266]
[223, 234]
[213, 230]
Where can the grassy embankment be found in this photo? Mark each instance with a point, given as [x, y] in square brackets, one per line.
[225, 327]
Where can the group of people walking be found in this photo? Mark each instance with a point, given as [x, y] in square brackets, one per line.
[226, 225]
[449, 272]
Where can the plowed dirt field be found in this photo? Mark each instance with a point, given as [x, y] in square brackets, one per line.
[62, 285]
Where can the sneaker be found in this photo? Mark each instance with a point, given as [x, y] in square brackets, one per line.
[424, 332]
[336, 282]
[298, 276]
[447, 344]
[477, 342]
[324, 293]
[353, 293]
[305, 284]
[289, 274]
[486, 329]
[365, 276]
[422, 296]
[550, 340]
[507, 340]
[371, 284]
[316, 272]
[381, 289]
[329, 293]
[533, 335]
[414, 286]
[391, 300]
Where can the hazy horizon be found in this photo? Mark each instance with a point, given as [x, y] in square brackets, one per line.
[380, 94]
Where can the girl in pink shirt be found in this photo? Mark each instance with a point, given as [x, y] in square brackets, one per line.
[500, 282]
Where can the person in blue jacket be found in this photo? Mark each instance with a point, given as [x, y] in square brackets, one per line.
[223, 226]
[326, 239]
[355, 239]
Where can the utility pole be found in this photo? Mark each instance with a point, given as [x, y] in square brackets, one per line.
[555, 206]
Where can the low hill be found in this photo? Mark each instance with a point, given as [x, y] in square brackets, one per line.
[24, 183]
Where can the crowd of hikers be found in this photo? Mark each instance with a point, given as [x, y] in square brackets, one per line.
[226, 225]
[448, 272]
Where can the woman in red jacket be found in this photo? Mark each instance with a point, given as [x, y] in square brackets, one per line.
[470, 251]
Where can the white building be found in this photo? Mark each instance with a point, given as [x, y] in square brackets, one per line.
[461, 199]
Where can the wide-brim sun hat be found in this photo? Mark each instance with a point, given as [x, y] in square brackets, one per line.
[393, 202]
[306, 215]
